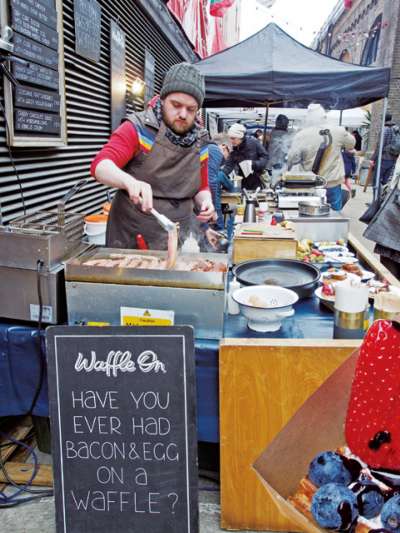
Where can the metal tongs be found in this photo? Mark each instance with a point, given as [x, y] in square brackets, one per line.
[164, 221]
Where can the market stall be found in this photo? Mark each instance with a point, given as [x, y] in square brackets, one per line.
[267, 367]
[265, 377]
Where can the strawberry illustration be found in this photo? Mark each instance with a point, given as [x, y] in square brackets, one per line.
[373, 417]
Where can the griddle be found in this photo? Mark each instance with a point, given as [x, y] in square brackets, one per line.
[289, 273]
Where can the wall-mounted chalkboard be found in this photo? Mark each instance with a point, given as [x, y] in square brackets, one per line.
[36, 107]
[149, 75]
[33, 51]
[35, 74]
[87, 15]
[40, 10]
[32, 98]
[122, 407]
[36, 121]
[33, 28]
[118, 76]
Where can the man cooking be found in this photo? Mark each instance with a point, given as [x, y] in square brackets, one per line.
[247, 157]
[158, 158]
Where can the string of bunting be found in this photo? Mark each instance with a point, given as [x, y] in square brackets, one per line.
[218, 7]
[342, 35]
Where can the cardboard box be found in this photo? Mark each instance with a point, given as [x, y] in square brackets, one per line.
[262, 241]
[317, 426]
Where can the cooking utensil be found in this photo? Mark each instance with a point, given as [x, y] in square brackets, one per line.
[313, 208]
[164, 221]
[288, 273]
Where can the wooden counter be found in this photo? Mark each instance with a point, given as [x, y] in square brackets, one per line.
[262, 384]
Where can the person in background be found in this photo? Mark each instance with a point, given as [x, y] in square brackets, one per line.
[279, 147]
[306, 144]
[245, 148]
[217, 180]
[389, 154]
[358, 138]
[258, 134]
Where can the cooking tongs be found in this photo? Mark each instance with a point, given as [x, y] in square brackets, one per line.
[65, 199]
[164, 221]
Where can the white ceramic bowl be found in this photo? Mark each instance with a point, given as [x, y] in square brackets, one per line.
[265, 306]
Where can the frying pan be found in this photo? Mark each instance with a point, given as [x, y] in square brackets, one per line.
[289, 273]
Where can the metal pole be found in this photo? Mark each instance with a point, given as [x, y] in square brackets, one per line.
[265, 125]
[341, 117]
[377, 180]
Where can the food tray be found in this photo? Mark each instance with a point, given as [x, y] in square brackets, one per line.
[76, 270]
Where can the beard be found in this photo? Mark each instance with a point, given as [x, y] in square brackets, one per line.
[180, 127]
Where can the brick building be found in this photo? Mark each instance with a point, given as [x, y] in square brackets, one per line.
[366, 32]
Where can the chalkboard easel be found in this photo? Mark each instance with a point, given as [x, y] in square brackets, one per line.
[124, 440]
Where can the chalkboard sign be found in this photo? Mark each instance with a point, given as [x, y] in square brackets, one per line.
[118, 76]
[149, 74]
[29, 26]
[122, 407]
[33, 51]
[36, 74]
[35, 108]
[32, 98]
[87, 14]
[36, 121]
[37, 10]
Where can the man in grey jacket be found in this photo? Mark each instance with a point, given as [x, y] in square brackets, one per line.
[305, 147]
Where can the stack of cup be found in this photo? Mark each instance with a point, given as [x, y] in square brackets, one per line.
[387, 305]
[351, 305]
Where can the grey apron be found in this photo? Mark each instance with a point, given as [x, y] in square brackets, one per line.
[174, 175]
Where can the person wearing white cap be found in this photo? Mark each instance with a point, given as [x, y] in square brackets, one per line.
[248, 157]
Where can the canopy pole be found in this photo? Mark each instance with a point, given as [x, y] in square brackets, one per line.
[265, 125]
[377, 175]
[341, 117]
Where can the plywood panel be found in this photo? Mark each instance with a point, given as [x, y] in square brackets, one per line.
[262, 384]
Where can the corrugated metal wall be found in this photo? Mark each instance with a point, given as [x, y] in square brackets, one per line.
[47, 173]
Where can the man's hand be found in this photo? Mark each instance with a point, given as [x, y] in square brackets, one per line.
[347, 184]
[140, 193]
[207, 211]
[213, 238]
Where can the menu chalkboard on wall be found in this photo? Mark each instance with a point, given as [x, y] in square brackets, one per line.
[32, 98]
[118, 76]
[29, 26]
[122, 407]
[37, 10]
[33, 51]
[36, 121]
[36, 107]
[36, 74]
[87, 15]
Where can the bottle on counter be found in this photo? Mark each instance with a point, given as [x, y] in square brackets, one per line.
[233, 307]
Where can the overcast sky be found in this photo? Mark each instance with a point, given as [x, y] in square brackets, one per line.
[299, 18]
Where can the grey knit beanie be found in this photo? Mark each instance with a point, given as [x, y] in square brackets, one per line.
[184, 78]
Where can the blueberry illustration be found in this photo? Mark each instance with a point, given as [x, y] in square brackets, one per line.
[390, 515]
[334, 507]
[328, 467]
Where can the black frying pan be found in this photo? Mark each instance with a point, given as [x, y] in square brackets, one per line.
[289, 273]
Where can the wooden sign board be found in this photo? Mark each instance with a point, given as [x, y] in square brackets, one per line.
[122, 407]
[118, 75]
[87, 15]
[35, 109]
